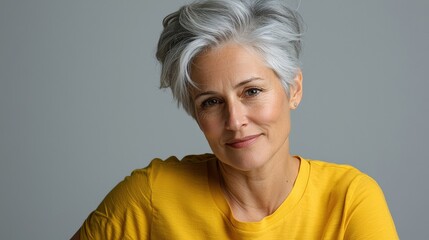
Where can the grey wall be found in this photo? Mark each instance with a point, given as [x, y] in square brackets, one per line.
[80, 108]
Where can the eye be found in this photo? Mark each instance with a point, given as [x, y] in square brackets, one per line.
[252, 92]
[210, 102]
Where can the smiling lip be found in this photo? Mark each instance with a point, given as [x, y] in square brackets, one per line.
[242, 142]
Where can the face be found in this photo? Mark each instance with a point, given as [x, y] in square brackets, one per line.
[242, 107]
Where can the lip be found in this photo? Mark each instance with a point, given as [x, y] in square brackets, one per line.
[242, 142]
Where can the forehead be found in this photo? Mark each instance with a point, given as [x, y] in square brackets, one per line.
[229, 52]
[227, 63]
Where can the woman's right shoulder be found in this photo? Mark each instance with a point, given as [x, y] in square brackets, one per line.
[159, 177]
[130, 202]
[174, 162]
[172, 167]
[186, 160]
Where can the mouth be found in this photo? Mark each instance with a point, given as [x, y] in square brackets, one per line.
[242, 142]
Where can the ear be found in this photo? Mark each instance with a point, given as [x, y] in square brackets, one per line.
[295, 91]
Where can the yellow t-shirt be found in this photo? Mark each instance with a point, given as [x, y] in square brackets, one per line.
[175, 199]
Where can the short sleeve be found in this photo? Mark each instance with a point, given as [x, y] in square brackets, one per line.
[125, 213]
[368, 214]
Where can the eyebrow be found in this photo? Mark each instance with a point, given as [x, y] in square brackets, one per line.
[244, 82]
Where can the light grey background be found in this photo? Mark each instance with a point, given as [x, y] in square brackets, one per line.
[80, 108]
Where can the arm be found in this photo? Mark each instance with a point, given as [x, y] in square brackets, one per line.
[368, 214]
[125, 213]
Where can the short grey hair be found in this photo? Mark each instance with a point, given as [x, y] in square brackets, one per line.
[268, 26]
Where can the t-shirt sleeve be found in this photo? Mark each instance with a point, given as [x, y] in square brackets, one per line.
[369, 216]
[125, 213]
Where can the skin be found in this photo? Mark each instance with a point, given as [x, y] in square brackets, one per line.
[244, 113]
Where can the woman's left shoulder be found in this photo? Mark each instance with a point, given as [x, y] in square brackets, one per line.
[331, 167]
[338, 174]
[357, 195]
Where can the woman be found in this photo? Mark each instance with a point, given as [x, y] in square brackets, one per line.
[233, 66]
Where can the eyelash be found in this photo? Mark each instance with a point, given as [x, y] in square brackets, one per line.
[250, 92]
[253, 89]
[209, 102]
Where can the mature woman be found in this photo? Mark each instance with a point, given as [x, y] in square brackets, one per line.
[233, 66]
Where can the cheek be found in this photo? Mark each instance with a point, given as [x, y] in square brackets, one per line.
[274, 111]
[210, 126]
[273, 117]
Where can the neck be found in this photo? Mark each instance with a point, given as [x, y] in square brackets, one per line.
[256, 194]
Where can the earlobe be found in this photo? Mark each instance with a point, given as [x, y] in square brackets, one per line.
[296, 91]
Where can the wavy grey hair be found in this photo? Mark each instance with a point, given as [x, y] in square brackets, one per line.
[268, 26]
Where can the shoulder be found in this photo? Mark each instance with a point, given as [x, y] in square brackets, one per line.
[334, 171]
[186, 161]
[173, 171]
[332, 168]
[355, 198]
[363, 206]
[129, 205]
[340, 178]
[139, 185]
[173, 165]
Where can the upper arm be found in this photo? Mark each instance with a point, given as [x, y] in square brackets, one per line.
[368, 215]
[125, 213]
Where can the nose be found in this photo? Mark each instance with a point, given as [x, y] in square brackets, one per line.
[236, 117]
